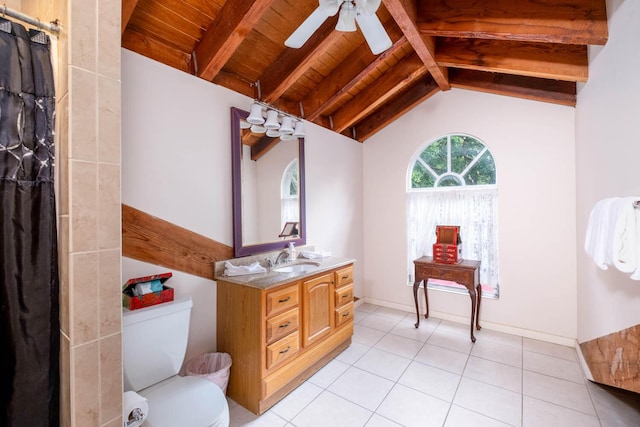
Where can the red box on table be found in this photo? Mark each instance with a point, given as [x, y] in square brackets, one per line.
[447, 248]
[132, 302]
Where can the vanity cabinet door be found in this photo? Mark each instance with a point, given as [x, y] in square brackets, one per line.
[317, 315]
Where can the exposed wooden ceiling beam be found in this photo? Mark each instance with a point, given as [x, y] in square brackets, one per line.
[404, 13]
[156, 50]
[394, 81]
[294, 63]
[263, 146]
[346, 76]
[128, 6]
[396, 107]
[231, 26]
[236, 84]
[553, 91]
[546, 60]
[568, 21]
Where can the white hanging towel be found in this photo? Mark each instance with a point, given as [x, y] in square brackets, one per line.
[613, 235]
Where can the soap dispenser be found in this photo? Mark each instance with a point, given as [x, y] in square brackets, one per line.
[292, 252]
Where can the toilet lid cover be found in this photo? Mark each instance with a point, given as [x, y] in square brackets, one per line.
[184, 401]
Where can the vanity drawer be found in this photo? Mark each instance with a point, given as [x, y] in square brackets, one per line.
[283, 349]
[281, 300]
[344, 295]
[344, 276]
[344, 314]
[282, 324]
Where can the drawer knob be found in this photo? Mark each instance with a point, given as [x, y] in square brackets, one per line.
[345, 277]
[345, 314]
[284, 325]
[285, 350]
[345, 296]
[284, 299]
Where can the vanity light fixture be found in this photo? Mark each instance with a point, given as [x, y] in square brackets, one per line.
[255, 114]
[272, 120]
[299, 132]
[276, 123]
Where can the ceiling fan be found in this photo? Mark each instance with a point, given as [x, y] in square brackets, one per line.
[351, 11]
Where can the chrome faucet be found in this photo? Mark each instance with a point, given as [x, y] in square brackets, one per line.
[280, 258]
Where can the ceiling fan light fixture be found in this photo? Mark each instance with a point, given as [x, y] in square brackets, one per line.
[272, 120]
[330, 7]
[255, 114]
[347, 18]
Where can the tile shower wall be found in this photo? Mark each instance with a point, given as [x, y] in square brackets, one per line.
[88, 197]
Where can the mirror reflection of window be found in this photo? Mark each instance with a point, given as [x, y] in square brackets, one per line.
[289, 202]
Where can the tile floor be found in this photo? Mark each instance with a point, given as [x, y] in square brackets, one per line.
[396, 375]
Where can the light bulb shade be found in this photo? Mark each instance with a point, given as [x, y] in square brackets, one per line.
[258, 129]
[255, 114]
[287, 125]
[299, 130]
[273, 133]
[286, 137]
[272, 120]
[244, 124]
[347, 18]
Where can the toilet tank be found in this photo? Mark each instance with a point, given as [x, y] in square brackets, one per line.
[154, 342]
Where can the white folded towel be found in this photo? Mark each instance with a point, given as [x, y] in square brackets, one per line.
[315, 254]
[613, 235]
[238, 270]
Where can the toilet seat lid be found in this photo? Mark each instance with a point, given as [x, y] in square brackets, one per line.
[181, 401]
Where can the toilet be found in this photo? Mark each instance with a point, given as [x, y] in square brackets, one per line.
[154, 341]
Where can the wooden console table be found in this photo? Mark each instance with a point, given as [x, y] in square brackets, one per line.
[466, 273]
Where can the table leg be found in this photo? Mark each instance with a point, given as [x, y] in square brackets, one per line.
[426, 299]
[479, 291]
[416, 286]
[472, 294]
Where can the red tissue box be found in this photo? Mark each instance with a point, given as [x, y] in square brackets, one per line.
[447, 248]
[133, 302]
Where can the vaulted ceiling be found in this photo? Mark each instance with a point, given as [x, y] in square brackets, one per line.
[534, 49]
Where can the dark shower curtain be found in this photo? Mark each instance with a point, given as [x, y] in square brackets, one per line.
[29, 328]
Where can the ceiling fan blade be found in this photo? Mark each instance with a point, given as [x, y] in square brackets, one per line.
[368, 7]
[374, 33]
[307, 28]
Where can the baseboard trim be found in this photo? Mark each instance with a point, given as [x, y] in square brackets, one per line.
[526, 333]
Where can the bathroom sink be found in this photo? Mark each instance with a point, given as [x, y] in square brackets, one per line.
[302, 267]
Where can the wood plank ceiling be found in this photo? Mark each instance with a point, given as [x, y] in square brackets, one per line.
[534, 49]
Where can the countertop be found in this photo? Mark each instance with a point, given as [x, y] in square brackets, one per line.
[272, 278]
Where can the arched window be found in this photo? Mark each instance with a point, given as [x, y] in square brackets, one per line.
[289, 201]
[452, 181]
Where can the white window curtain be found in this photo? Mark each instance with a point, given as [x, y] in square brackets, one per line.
[474, 210]
[289, 210]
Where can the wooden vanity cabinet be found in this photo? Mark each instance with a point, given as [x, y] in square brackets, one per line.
[317, 295]
[279, 337]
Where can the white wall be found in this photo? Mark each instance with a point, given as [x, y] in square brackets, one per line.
[533, 145]
[608, 152]
[176, 165]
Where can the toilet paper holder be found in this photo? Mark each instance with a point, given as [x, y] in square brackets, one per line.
[135, 415]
